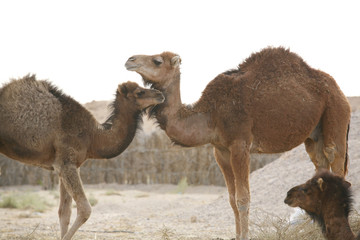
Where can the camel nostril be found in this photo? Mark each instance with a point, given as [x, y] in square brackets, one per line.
[132, 59]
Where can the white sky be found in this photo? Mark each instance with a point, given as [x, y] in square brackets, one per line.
[82, 46]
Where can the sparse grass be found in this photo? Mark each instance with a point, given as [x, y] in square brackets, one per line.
[182, 185]
[272, 227]
[142, 195]
[112, 193]
[92, 200]
[282, 229]
[34, 234]
[166, 233]
[8, 202]
[25, 200]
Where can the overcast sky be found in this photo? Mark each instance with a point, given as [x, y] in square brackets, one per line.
[82, 46]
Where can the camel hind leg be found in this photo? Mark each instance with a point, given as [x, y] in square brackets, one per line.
[335, 126]
[314, 146]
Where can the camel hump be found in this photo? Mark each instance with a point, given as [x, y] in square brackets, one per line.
[29, 99]
[270, 60]
[24, 88]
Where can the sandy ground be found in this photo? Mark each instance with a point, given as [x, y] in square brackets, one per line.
[128, 212]
[162, 212]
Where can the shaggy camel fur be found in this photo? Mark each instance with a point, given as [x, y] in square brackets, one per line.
[42, 126]
[327, 199]
[271, 103]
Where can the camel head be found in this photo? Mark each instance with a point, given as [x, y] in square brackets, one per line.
[141, 97]
[156, 70]
[321, 191]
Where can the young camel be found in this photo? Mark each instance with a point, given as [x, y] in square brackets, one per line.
[42, 126]
[271, 103]
[327, 199]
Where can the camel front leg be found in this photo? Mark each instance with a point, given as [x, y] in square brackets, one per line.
[240, 163]
[70, 178]
[64, 209]
[222, 157]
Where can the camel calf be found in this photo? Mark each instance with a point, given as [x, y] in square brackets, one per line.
[41, 126]
[327, 199]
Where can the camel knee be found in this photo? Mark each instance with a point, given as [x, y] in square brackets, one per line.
[243, 207]
[330, 152]
[84, 212]
[317, 152]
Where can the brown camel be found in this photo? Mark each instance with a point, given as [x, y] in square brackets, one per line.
[327, 199]
[271, 103]
[42, 126]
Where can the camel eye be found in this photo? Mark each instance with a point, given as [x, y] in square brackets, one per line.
[141, 93]
[305, 190]
[157, 61]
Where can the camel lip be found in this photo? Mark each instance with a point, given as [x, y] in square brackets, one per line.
[161, 99]
[131, 67]
[288, 202]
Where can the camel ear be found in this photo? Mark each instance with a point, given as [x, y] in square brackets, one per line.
[347, 184]
[175, 61]
[122, 89]
[321, 184]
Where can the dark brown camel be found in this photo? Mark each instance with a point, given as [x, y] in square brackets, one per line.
[327, 199]
[42, 126]
[271, 103]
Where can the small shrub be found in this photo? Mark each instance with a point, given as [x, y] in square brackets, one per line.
[112, 193]
[166, 233]
[92, 200]
[30, 201]
[182, 185]
[8, 202]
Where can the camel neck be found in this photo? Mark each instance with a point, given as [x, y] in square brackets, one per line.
[183, 124]
[115, 135]
[337, 226]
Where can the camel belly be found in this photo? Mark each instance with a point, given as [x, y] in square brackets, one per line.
[43, 158]
[277, 130]
[277, 137]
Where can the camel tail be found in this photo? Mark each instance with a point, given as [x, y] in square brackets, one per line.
[346, 163]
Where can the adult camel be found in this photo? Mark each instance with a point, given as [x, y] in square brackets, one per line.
[271, 103]
[42, 126]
